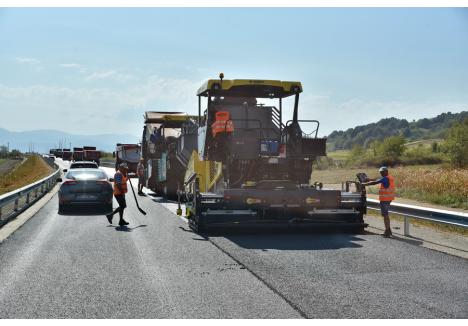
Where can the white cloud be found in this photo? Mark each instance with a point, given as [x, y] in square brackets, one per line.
[109, 75]
[95, 110]
[25, 60]
[70, 65]
[336, 115]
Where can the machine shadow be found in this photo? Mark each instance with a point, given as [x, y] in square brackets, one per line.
[296, 241]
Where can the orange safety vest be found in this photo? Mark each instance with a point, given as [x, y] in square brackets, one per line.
[222, 123]
[117, 191]
[387, 194]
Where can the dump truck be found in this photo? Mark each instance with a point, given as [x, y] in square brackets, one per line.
[165, 157]
[90, 153]
[252, 170]
[66, 154]
[128, 153]
[78, 154]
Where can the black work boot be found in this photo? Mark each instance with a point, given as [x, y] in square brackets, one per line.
[387, 233]
[122, 222]
[109, 218]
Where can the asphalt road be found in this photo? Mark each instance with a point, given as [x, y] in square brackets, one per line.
[78, 266]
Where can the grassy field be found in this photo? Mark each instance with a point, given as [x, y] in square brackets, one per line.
[427, 183]
[339, 155]
[424, 142]
[30, 171]
[107, 156]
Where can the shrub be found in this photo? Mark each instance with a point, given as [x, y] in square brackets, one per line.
[456, 144]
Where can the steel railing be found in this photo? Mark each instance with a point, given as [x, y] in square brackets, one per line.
[408, 212]
[15, 202]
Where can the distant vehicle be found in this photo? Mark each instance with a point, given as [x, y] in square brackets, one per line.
[83, 165]
[128, 153]
[66, 154]
[90, 153]
[58, 152]
[85, 187]
[78, 154]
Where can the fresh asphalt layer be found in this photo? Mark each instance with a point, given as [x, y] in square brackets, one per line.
[79, 266]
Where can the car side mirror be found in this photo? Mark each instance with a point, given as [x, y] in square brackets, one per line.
[65, 170]
[113, 154]
[59, 180]
[111, 179]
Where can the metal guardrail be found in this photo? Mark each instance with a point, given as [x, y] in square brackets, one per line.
[408, 212]
[15, 202]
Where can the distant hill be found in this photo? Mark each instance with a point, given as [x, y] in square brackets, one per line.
[43, 140]
[417, 130]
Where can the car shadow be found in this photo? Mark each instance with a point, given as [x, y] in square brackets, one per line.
[84, 211]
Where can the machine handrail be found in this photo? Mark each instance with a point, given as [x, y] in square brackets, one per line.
[307, 134]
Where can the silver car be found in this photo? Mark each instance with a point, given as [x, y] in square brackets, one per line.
[85, 187]
[83, 164]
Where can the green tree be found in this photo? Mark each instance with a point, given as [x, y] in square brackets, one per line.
[3, 151]
[456, 144]
[15, 153]
[392, 148]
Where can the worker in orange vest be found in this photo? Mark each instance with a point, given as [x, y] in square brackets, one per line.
[120, 189]
[386, 195]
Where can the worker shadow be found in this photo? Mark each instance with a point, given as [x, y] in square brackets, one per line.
[297, 241]
[124, 228]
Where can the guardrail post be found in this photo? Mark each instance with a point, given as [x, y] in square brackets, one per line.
[27, 198]
[1, 213]
[16, 204]
[406, 227]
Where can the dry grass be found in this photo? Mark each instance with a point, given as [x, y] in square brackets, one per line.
[427, 183]
[443, 186]
[30, 171]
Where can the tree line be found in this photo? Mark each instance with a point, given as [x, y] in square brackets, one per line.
[421, 129]
[393, 150]
[5, 153]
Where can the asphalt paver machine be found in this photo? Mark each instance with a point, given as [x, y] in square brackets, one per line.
[251, 170]
[165, 157]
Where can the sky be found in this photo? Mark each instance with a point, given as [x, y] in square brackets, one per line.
[97, 70]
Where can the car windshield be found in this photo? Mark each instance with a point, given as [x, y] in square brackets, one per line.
[86, 175]
[83, 165]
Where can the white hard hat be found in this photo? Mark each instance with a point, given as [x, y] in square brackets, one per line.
[383, 168]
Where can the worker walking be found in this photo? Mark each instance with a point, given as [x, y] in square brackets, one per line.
[141, 176]
[386, 195]
[120, 189]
